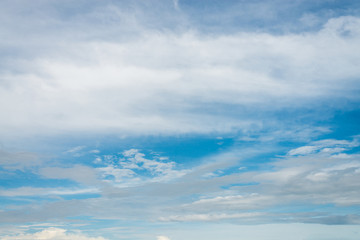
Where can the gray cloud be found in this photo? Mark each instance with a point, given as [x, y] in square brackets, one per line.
[79, 173]
[19, 160]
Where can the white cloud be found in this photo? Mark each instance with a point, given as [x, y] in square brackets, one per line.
[162, 238]
[228, 231]
[138, 86]
[326, 146]
[125, 171]
[75, 149]
[52, 234]
[94, 151]
[135, 160]
[211, 217]
[239, 201]
[303, 150]
[32, 191]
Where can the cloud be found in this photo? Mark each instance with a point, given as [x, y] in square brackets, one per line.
[135, 160]
[327, 145]
[96, 151]
[78, 173]
[215, 231]
[176, 4]
[121, 90]
[281, 191]
[134, 185]
[303, 150]
[162, 238]
[32, 191]
[211, 217]
[75, 149]
[52, 234]
[251, 201]
[326, 176]
[125, 70]
[135, 169]
[19, 160]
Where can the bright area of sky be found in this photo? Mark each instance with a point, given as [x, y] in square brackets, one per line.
[173, 120]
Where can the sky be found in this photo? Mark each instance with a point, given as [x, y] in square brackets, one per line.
[180, 119]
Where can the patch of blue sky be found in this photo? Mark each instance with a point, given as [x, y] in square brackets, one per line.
[191, 147]
[229, 186]
[79, 196]
[6, 201]
[185, 149]
[255, 157]
[181, 149]
[276, 17]
[28, 178]
[23, 196]
[13, 203]
[343, 124]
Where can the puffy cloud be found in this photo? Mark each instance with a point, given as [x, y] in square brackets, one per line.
[52, 234]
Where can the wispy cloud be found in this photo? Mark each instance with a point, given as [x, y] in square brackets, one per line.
[52, 234]
[36, 192]
[162, 238]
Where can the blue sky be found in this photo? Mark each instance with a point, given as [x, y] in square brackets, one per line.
[170, 120]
